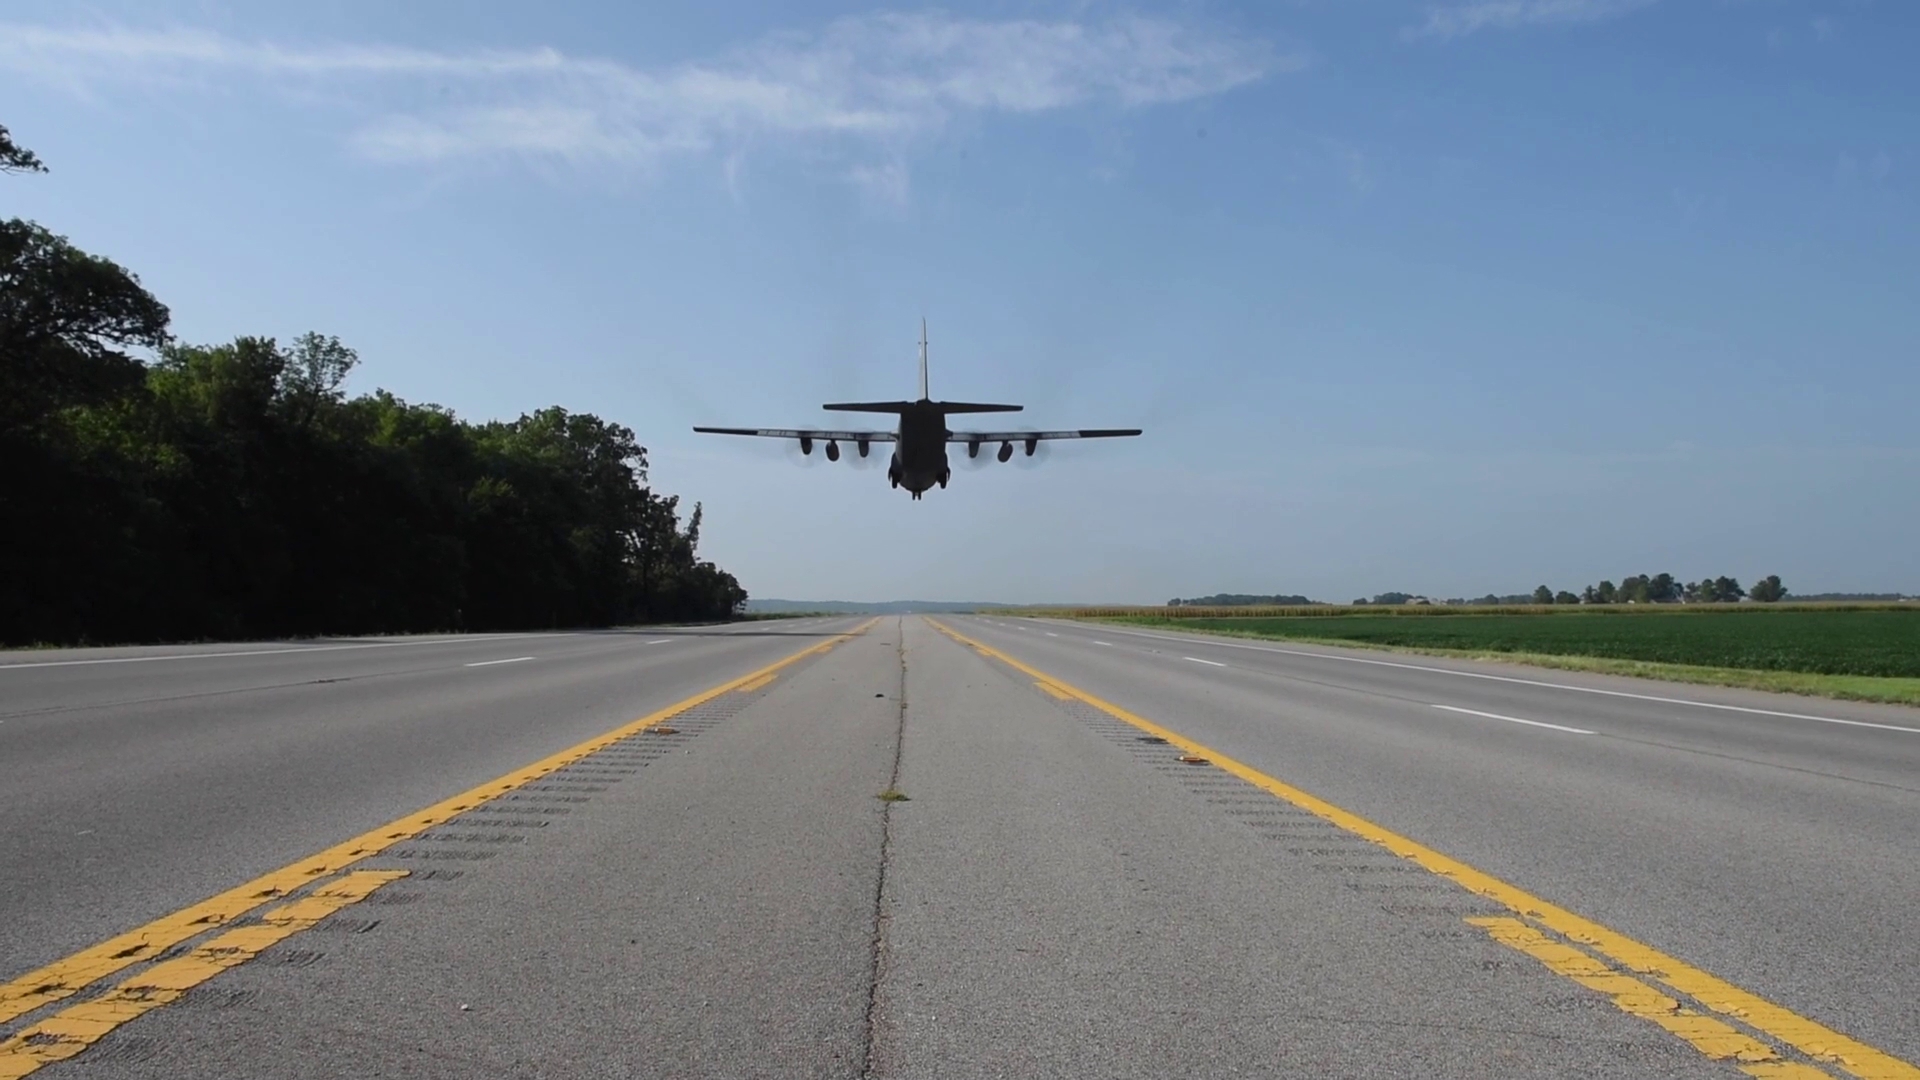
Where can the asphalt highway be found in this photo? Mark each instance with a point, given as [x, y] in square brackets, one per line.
[1113, 853]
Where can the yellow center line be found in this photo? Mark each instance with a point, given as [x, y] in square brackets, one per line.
[77, 1027]
[1712, 1038]
[758, 684]
[1808, 1036]
[66, 977]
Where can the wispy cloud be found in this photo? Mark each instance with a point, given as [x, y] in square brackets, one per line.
[1462, 19]
[874, 81]
[886, 184]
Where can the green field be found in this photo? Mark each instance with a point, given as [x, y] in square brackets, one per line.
[1874, 643]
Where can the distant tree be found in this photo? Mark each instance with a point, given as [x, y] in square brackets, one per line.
[1543, 595]
[1768, 590]
[312, 373]
[1565, 597]
[1662, 589]
[1607, 593]
[1727, 590]
[1392, 598]
[15, 158]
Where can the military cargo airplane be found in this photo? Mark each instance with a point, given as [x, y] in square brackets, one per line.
[920, 443]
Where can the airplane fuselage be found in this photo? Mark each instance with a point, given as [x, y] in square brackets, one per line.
[920, 454]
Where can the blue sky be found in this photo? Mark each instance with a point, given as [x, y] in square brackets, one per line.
[1448, 297]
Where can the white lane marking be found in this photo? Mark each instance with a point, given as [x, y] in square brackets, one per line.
[490, 663]
[1209, 663]
[1188, 638]
[1052, 634]
[1108, 644]
[1514, 719]
[662, 641]
[270, 652]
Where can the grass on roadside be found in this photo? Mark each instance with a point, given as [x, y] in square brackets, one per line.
[1875, 688]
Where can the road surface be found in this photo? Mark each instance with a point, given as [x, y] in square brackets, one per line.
[663, 853]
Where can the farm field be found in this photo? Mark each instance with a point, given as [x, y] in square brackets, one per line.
[1867, 654]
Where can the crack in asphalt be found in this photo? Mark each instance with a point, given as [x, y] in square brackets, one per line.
[868, 1033]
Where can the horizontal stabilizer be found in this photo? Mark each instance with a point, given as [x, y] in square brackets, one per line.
[974, 406]
[895, 407]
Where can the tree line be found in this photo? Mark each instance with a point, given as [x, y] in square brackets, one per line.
[235, 490]
[1637, 589]
[1243, 600]
[1666, 589]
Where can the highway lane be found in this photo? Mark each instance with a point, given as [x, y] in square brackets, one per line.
[1058, 895]
[134, 788]
[1777, 851]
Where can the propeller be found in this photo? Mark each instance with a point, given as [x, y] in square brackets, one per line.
[877, 455]
[1042, 450]
[792, 450]
[991, 451]
[957, 454]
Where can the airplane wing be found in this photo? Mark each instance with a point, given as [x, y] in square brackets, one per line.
[801, 433]
[1024, 436]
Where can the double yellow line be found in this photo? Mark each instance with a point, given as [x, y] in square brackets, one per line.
[73, 1029]
[1606, 952]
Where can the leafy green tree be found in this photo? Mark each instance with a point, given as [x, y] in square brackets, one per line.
[1543, 595]
[66, 319]
[15, 158]
[1565, 597]
[1607, 593]
[1768, 590]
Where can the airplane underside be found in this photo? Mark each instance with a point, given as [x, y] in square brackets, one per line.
[918, 480]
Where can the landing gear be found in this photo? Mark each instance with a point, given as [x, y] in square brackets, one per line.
[944, 474]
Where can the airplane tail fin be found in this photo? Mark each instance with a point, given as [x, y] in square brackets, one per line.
[925, 396]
